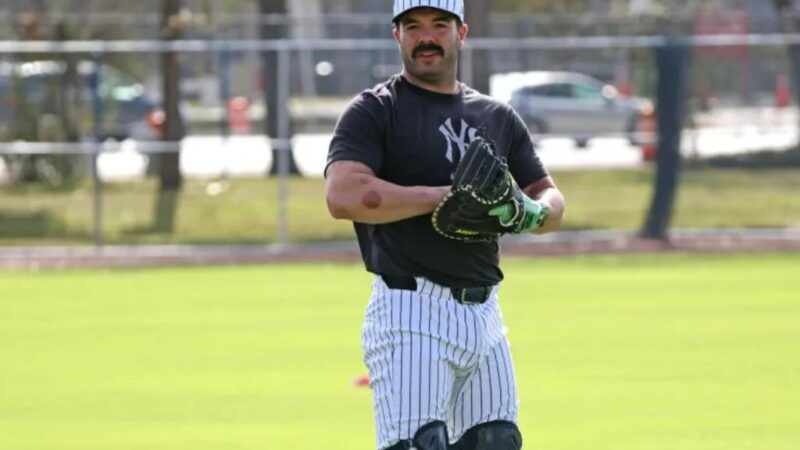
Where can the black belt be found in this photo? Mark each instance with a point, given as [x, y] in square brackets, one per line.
[465, 295]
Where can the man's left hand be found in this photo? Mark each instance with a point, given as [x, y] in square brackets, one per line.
[522, 214]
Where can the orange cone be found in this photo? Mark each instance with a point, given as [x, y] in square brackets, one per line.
[646, 134]
[783, 95]
[361, 381]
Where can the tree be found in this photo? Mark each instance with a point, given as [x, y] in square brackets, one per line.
[168, 165]
[271, 72]
[47, 106]
[672, 62]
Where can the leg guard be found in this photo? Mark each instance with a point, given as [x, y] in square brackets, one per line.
[432, 436]
[500, 435]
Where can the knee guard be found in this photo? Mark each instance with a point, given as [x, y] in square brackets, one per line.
[499, 435]
[432, 436]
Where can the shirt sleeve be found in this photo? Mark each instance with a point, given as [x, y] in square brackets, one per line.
[359, 134]
[523, 162]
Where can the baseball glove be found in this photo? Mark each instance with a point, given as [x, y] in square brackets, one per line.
[484, 200]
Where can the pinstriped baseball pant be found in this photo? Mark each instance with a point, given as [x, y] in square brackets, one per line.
[431, 358]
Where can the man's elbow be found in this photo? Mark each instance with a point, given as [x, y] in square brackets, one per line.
[338, 209]
[341, 209]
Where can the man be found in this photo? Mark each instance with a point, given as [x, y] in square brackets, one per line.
[433, 337]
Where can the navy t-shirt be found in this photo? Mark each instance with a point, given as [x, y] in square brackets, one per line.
[414, 137]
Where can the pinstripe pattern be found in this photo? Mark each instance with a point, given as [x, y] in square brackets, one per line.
[453, 6]
[431, 358]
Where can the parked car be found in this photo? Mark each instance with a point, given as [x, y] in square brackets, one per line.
[35, 89]
[570, 104]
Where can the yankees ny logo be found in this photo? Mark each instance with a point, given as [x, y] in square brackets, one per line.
[464, 136]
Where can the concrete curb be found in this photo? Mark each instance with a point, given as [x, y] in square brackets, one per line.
[561, 243]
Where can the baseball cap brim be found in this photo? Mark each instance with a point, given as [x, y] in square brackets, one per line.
[401, 14]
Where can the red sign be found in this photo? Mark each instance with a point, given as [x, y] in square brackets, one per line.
[733, 22]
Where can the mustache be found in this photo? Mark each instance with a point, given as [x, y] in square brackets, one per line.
[427, 47]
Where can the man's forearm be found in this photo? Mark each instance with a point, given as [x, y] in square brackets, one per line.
[365, 198]
[554, 201]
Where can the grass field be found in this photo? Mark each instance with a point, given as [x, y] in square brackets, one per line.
[246, 210]
[626, 353]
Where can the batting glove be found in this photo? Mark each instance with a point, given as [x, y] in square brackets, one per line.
[521, 215]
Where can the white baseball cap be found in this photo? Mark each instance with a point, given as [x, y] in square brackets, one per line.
[455, 7]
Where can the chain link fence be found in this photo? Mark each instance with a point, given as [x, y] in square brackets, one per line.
[587, 100]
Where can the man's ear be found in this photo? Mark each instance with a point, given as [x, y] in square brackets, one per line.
[463, 31]
[396, 34]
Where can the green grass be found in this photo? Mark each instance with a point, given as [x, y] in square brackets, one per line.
[246, 210]
[612, 353]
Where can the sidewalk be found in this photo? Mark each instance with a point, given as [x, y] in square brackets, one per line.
[561, 243]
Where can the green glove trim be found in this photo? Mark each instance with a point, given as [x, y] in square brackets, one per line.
[520, 218]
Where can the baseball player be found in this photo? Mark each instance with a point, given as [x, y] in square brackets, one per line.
[433, 337]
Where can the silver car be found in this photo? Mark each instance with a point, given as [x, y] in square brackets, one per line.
[571, 104]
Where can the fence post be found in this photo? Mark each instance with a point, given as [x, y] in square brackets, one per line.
[284, 147]
[97, 183]
[223, 59]
[672, 62]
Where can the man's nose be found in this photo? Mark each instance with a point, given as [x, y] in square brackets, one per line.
[427, 36]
